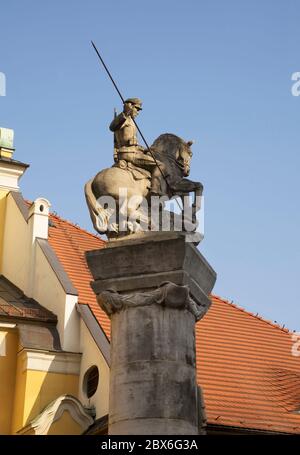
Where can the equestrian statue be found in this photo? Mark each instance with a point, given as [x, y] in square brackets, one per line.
[138, 178]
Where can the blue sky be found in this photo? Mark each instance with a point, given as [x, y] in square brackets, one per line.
[214, 71]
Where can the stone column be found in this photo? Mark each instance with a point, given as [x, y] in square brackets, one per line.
[154, 289]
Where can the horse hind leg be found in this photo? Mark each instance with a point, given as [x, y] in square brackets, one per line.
[125, 218]
[132, 217]
[100, 216]
[138, 214]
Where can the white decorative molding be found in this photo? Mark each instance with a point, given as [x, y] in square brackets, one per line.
[38, 217]
[53, 412]
[39, 207]
[58, 362]
[2, 344]
[71, 338]
[7, 325]
[95, 330]
[10, 175]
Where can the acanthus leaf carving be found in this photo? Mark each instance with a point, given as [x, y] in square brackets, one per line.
[167, 294]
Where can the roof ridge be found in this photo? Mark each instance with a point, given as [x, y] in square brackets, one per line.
[260, 318]
[55, 215]
[76, 249]
[75, 225]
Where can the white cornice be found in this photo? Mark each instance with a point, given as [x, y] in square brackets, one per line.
[10, 174]
[7, 325]
[58, 362]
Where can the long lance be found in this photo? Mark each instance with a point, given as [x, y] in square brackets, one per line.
[142, 136]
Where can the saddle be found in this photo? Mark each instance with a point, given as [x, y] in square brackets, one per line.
[137, 173]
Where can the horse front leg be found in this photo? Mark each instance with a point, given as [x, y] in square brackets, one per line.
[183, 189]
[196, 206]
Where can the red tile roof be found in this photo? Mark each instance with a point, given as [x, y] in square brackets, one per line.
[14, 304]
[245, 365]
[70, 243]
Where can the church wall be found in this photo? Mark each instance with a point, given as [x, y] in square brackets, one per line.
[92, 356]
[8, 354]
[25, 265]
[29, 381]
[3, 194]
[65, 425]
[49, 293]
[38, 383]
[15, 264]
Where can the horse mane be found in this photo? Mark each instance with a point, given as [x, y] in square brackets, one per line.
[166, 146]
[166, 141]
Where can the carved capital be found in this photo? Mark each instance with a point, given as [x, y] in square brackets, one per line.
[167, 294]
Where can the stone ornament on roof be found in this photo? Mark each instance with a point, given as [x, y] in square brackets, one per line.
[6, 138]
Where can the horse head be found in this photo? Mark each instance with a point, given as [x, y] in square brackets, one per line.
[183, 157]
[171, 149]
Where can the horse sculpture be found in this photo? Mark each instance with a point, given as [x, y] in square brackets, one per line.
[168, 149]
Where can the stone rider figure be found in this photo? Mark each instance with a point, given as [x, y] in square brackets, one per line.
[127, 147]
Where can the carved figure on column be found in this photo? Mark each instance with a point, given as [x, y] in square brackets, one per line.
[168, 294]
[160, 170]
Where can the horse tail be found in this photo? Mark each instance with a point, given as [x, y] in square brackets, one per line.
[99, 215]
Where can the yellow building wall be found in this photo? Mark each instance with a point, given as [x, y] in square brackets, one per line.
[24, 394]
[3, 194]
[92, 356]
[8, 356]
[66, 425]
[35, 390]
[16, 250]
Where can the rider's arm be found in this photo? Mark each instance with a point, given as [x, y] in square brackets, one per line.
[118, 122]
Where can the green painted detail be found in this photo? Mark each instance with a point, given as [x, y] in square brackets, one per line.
[6, 138]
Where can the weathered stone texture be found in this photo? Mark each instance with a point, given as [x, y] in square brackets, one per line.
[153, 289]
